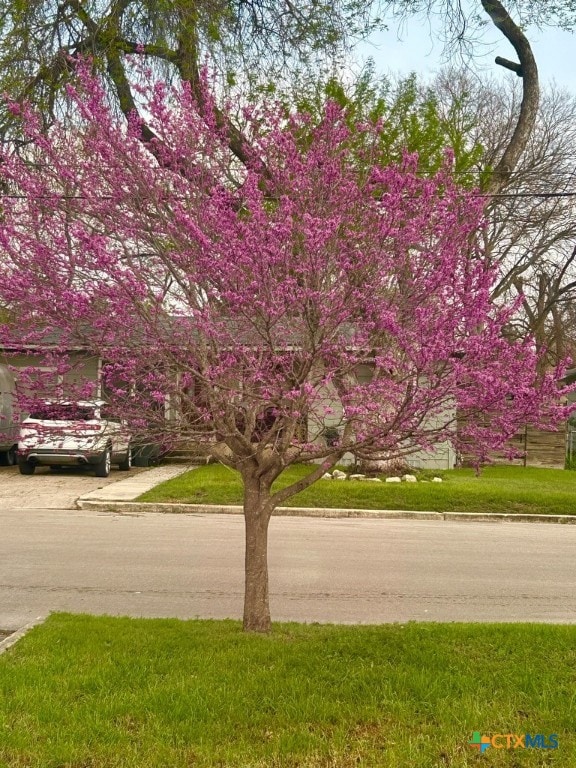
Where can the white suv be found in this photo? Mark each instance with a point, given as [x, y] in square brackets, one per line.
[73, 434]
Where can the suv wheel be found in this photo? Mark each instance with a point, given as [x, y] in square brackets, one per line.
[126, 464]
[103, 466]
[25, 467]
[8, 458]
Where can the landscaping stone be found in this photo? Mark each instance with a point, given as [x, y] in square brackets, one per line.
[372, 480]
[357, 477]
[326, 476]
[409, 478]
[436, 479]
[339, 475]
[393, 480]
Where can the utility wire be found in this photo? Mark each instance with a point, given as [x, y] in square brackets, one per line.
[498, 195]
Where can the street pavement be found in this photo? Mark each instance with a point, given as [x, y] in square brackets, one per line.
[343, 570]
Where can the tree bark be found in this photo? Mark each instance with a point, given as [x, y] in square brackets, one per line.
[528, 70]
[257, 512]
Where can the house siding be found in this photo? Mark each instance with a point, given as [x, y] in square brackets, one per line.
[85, 367]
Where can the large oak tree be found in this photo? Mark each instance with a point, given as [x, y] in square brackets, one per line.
[246, 41]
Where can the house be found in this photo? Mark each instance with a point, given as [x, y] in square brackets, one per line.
[85, 366]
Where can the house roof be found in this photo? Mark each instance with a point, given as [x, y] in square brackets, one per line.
[26, 341]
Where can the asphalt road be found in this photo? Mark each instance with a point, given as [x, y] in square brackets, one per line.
[360, 571]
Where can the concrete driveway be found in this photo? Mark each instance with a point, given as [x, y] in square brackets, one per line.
[51, 490]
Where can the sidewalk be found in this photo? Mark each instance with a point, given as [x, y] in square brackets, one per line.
[132, 486]
[119, 498]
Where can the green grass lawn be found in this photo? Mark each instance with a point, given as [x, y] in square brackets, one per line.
[509, 489]
[87, 692]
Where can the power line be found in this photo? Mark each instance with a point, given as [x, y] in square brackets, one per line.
[528, 194]
[498, 195]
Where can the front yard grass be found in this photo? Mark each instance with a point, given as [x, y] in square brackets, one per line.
[509, 489]
[88, 692]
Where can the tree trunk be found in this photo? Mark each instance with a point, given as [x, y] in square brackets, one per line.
[257, 511]
[528, 70]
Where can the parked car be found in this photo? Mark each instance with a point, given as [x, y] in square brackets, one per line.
[73, 434]
[8, 427]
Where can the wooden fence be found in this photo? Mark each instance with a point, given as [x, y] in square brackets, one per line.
[539, 448]
[535, 448]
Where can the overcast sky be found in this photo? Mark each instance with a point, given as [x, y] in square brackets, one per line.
[411, 48]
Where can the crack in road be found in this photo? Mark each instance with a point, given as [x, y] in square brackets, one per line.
[425, 598]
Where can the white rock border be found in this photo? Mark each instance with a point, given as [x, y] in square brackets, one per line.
[337, 474]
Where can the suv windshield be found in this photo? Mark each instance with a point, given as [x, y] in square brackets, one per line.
[59, 412]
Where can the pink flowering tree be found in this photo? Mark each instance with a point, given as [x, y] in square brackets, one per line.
[253, 309]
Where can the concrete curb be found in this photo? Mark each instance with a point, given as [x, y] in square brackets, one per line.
[136, 508]
[19, 633]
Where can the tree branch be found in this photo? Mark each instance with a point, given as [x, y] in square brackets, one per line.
[530, 94]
